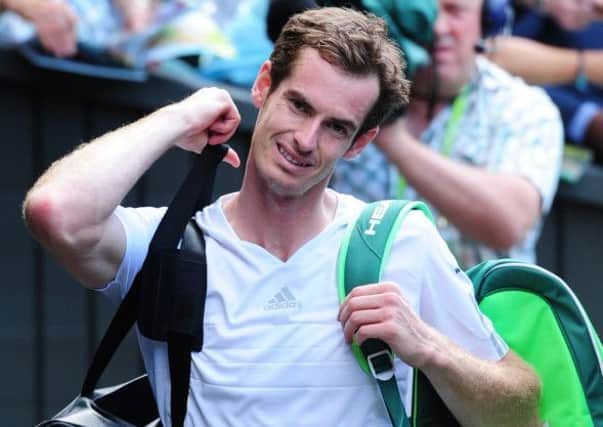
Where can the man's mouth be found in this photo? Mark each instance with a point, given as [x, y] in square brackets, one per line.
[442, 49]
[292, 160]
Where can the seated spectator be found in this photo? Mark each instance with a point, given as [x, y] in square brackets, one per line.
[61, 24]
[571, 15]
[481, 147]
[566, 58]
[55, 22]
[572, 77]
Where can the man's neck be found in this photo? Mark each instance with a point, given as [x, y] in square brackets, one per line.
[278, 224]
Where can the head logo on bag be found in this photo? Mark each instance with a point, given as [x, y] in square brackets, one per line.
[532, 309]
[376, 217]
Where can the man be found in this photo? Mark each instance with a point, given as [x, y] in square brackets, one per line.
[482, 148]
[332, 77]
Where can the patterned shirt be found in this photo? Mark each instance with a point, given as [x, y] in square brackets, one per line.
[507, 126]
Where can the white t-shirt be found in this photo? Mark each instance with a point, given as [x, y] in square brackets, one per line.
[274, 353]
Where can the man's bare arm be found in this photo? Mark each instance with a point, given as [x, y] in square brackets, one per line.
[70, 208]
[538, 63]
[495, 208]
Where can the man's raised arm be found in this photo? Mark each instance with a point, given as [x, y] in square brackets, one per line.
[70, 207]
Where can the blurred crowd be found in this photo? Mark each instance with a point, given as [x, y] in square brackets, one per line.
[498, 88]
[552, 43]
[60, 24]
[558, 45]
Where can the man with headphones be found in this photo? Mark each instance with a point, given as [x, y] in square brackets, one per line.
[481, 147]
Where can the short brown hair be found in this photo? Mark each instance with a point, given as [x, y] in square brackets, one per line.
[356, 42]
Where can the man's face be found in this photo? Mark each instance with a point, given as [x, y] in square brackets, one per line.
[307, 123]
[457, 30]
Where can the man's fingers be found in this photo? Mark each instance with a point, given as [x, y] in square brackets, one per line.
[225, 127]
[373, 289]
[358, 303]
[358, 319]
[232, 158]
[370, 330]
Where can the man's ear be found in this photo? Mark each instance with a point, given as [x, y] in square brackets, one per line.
[361, 142]
[261, 86]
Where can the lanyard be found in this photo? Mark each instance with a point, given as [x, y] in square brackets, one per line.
[459, 106]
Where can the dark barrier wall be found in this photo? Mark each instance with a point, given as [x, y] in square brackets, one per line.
[571, 244]
[50, 326]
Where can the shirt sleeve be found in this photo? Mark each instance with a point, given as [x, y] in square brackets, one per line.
[533, 131]
[440, 291]
[139, 226]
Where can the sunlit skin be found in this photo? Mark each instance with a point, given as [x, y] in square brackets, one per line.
[457, 31]
[305, 125]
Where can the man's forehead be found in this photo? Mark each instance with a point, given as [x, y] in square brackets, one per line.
[329, 86]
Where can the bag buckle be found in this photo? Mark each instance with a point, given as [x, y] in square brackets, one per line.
[381, 365]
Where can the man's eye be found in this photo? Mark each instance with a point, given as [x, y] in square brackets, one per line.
[298, 105]
[338, 129]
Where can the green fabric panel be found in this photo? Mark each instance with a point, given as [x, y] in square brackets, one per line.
[581, 339]
[366, 246]
[365, 251]
[393, 402]
[516, 316]
[367, 243]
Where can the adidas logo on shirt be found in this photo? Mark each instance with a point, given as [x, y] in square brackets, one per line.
[283, 299]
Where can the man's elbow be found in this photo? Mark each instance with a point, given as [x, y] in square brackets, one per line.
[529, 400]
[47, 219]
[510, 231]
[524, 393]
[508, 223]
[505, 236]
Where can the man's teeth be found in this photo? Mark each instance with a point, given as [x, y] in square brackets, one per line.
[289, 158]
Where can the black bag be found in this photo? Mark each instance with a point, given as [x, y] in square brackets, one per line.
[128, 404]
[166, 307]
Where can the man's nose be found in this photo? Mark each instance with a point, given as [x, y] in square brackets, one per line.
[306, 136]
[440, 27]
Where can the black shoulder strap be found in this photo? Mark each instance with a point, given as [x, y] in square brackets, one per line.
[180, 345]
[178, 325]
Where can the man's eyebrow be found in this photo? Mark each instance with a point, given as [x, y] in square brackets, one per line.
[350, 125]
[293, 94]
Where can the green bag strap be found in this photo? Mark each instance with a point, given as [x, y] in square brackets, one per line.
[362, 257]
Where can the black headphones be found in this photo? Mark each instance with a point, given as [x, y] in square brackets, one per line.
[497, 17]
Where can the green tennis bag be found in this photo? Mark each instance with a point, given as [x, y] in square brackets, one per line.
[542, 320]
[534, 311]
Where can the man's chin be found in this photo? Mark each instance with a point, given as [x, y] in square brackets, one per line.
[283, 190]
